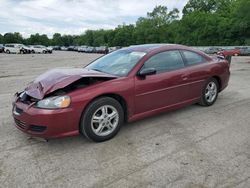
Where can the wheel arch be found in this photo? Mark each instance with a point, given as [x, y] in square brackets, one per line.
[115, 96]
[219, 81]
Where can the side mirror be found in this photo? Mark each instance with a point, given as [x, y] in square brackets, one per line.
[147, 71]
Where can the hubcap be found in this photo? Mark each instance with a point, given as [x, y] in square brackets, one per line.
[104, 120]
[211, 92]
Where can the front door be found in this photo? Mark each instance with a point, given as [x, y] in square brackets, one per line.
[165, 88]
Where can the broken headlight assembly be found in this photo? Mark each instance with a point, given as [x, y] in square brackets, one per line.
[54, 102]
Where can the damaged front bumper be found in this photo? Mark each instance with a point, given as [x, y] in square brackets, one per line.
[44, 123]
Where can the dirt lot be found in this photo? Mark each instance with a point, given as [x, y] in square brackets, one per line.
[191, 147]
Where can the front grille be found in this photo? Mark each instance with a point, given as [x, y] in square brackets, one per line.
[20, 124]
[37, 128]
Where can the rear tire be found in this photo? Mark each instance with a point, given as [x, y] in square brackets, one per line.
[102, 119]
[7, 51]
[209, 92]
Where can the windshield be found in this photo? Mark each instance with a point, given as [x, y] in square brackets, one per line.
[117, 63]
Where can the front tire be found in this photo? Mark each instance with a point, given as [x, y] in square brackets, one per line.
[102, 119]
[209, 92]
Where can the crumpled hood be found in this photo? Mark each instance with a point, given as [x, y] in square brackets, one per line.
[55, 79]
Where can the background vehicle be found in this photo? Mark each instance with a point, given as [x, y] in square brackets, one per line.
[64, 48]
[49, 49]
[55, 47]
[25, 49]
[71, 48]
[244, 51]
[76, 48]
[111, 49]
[102, 50]
[90, 49]
[229, 52]
[1, 48]
[15, 48]
[126, 85]
[82, 48]
[39, 49]
[212, 50]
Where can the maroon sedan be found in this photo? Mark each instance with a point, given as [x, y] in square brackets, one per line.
[123, 86]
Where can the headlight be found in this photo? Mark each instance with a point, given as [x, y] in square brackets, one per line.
[54, 102]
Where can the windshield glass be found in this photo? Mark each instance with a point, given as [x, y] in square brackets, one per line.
[117, 63]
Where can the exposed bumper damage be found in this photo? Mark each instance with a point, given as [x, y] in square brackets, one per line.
[48, 123]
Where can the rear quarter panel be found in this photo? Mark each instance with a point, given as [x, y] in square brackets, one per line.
[220, 69]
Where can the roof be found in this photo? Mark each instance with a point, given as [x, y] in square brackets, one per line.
[149, 47]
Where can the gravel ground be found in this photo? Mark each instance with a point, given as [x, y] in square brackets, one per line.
[191, 147]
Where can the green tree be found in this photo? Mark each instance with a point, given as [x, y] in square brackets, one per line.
[241, 22]
[89, 37]
[38, 39]
[1, 39]
[153, 28]
[57, 39]
[123, 35]
[12, 38]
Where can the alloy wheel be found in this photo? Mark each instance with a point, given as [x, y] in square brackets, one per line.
[211, 92]
[105, 120]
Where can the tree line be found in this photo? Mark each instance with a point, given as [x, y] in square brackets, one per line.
[203, 23]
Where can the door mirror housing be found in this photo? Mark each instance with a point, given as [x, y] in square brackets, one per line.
[147, 71]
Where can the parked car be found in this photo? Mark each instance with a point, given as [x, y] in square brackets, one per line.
[244, 51]
[101, 50]
[56, 47]
[76, 48]
[111, 49]
[122, 86]
[98, 49]
[82, 48]
[49, 49]
[71, 48]
[26, 49]
[229, 52]
[39, 49]
[1, 48]
[64, 48]
[212, 50]
[15, 48]
[90, 49]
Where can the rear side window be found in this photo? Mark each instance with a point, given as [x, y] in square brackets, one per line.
[165, 61]
[193, 58]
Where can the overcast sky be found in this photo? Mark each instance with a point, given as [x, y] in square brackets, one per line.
[73, 16]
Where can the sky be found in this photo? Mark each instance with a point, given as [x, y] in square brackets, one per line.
[74, 16]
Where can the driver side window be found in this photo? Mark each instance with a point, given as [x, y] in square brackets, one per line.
[165, 61]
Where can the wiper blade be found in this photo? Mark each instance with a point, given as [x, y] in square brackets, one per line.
[97, 70]
[102, 71]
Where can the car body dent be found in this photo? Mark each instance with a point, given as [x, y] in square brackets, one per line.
[55, 79]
